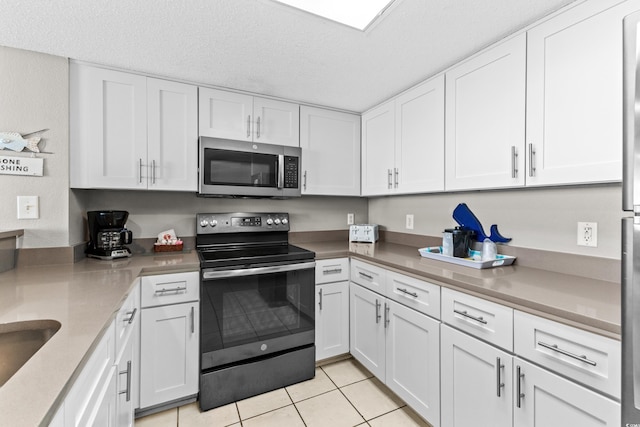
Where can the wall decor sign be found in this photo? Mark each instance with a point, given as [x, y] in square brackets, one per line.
[29, 166]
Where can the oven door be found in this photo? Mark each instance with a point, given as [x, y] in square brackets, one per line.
[253, 312]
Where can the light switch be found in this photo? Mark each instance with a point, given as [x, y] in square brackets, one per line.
[28, 207]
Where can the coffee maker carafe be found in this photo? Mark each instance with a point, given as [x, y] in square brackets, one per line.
[108, 235]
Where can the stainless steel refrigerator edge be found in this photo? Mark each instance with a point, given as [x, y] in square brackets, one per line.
[631, 226]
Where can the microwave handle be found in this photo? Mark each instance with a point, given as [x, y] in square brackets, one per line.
[281, 171]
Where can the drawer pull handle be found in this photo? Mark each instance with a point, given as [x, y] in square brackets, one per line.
[404, 291]
[519, 393]
[499, 368]
[367, 276]
[132, 315]
[164, 291]
[320, 299]
[193, 319]
[332, 271]
[378, 311]
[557, 349]
[467, 315]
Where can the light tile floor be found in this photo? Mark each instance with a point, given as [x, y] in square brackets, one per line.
[342, 394]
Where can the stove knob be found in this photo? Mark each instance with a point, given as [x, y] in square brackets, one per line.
[213, 223]
[277, 221]
[285, 221]
[204, 223]
[269, 221]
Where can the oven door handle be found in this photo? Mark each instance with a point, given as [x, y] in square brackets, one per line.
[215, 274]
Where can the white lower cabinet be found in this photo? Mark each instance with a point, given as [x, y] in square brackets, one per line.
[400, 346]
[169, 338]
[476, 382]
[332, 307]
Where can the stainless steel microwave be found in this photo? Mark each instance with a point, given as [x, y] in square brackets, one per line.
[247, 169]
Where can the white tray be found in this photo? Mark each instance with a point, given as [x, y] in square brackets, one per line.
[474, 261]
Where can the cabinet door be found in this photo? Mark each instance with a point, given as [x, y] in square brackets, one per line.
[125, 404]
[476, 382]
[225, 114]
[548, 400]
[108, 128]
[172, 135]
[332, 319]
[366, 327]
[330, 142]
[574, 95]
[276, 122]
[168, 353]
[485, 119]
[413, 359]
[104, 413]
[378, 145]
[419, 148]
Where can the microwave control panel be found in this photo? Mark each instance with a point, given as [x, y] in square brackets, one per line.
[291, 171]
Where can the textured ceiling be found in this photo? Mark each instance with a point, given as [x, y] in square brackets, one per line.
[265, 47]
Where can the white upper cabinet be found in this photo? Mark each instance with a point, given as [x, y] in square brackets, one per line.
[132, 132]
[574, 95]
[241, 117]
[485, 118]
[330, 142]
[403, 142]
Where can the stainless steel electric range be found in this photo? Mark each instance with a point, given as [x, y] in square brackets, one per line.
[257, 313]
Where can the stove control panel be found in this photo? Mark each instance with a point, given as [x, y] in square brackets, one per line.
[241, 222]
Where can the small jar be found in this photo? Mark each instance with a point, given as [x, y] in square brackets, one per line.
[489, 250]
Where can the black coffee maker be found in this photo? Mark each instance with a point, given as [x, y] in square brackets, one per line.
[108, 235]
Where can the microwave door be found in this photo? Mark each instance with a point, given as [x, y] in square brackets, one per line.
[631, 321]
[631, 116]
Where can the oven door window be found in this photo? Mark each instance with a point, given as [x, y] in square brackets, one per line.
[238, 168]
[258, 308]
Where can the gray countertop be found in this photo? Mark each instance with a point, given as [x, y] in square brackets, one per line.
[83, 297]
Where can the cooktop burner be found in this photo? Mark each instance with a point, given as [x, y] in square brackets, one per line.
[225, 257]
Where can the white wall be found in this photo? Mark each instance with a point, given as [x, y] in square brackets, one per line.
[34, 95]
[542, 218]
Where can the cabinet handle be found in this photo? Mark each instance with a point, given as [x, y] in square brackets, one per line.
[554, 347]
[467, 315]
[532, 158]
[128, 372]
[404, 291]
[514, 162]
[332, 271]
[164, 291]
[389, 179]
[153, 171]
[258, 133]
[366, 276]
[304, 183]
[140, 170]
[520, 394]
[378, 311]
[395, 177]
[132, 315]
[386, 314]
[249, 126]
[193, 319]
[320, 299]
[499, 383]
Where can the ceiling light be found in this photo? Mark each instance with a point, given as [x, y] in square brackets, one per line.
[358, 14]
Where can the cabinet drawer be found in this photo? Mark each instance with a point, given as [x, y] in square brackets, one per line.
[484, 319]
[170, 289]
[369, 276]
[417, 294]
[126, 318]
[583, 356]
[332, 270]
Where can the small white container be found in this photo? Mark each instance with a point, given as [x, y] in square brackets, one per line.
[489, 250]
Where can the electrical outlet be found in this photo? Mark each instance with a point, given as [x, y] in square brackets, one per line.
[350, 219]
[588, 234]
[409, 222]
[28, 207]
